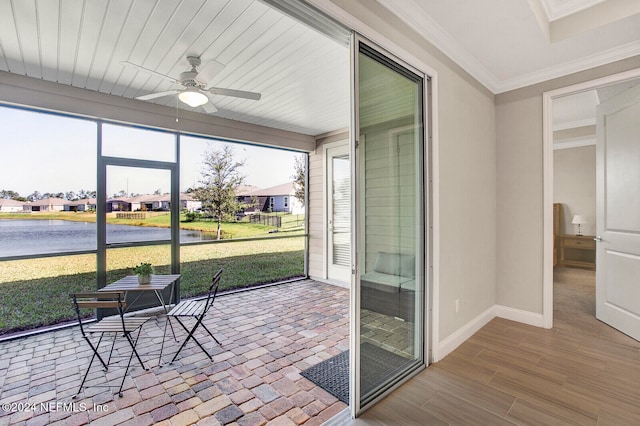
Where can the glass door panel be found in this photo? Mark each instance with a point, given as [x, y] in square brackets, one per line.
[390, 243]
[138, 205]
[142, 144]
[138, 221]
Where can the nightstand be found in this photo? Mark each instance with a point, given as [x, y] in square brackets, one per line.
[577, 251]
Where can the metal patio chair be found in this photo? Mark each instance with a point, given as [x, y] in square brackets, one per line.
[196, 309]
[117, 325]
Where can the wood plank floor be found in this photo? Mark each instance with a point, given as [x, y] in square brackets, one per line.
[581, 372]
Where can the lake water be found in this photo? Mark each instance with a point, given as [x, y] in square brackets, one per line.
[28, 237]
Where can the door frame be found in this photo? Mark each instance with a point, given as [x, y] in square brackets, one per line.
[103, 162]
[547, 167]
[432, 163]
[327, 197]
[428, 209]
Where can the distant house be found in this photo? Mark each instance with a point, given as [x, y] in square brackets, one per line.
[49, 204]
[280, 198]
[152, 202]
[119, 205]
[187, 202]
[72, 206]
[89, 204]
[82, 205]
[11, 206]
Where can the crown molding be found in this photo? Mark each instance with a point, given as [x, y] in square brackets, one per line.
[606, 57]
[413, 15]
[560, 9]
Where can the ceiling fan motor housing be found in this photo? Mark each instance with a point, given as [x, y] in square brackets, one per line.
[188, 78]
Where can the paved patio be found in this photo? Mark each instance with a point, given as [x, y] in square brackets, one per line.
[268, 336]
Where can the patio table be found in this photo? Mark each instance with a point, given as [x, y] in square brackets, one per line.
[157, 285]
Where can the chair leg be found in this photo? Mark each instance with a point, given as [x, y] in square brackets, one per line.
[113, 345]
[211, 334]
[190, 336]
[124, 377]
[165, 335]
[95, 352]
[133, 347]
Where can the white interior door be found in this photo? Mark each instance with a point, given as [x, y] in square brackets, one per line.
[338, 213]
[618, 212]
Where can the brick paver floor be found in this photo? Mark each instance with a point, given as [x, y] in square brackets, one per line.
[268, 336]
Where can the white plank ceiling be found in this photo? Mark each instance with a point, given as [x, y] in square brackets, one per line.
[303, 75]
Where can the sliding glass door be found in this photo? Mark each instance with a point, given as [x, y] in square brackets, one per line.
[389, 217]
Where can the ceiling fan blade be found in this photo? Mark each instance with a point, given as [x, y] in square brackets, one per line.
[157, 95]
[147, 70]
[209, 70]
[209, 108]
[235, 93]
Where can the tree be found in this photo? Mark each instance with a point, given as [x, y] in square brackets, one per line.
[83, 194]
[300, 178]
[9, 194]
[34, 196]
[221, 178]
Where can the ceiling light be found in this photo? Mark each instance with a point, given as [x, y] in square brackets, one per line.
[193, 98]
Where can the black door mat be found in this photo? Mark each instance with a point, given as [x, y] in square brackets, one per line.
[332, 374]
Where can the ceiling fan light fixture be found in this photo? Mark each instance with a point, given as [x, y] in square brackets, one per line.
[193, 98]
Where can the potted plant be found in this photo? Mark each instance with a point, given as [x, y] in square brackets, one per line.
[143, 271]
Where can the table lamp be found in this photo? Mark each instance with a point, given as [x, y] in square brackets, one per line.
[579, 220]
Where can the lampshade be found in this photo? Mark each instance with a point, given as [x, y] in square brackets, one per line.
[578, 220]
[193, 98]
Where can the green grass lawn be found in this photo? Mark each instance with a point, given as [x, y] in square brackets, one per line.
[35, 292]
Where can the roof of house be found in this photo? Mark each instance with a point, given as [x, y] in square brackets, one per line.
[246, 190]
[150, 198]
[9, 202]
[51, 201]
[283, 189]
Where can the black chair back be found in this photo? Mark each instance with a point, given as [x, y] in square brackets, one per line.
[213, 290]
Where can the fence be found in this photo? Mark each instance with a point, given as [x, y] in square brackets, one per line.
[266, 220]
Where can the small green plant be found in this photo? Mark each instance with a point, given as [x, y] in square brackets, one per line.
[143, 269]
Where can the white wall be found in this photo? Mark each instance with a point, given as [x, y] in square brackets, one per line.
[519, 189]
[574, 186]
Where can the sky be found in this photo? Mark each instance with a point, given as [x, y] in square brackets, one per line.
[50, 153]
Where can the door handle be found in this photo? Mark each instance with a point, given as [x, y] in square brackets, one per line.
[597, 239]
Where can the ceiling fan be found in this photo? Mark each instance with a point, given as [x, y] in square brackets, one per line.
[195, 91]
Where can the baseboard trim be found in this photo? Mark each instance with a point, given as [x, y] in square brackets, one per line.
[525, 317]
[459, 336]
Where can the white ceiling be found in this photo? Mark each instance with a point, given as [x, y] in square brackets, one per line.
[303, 75]
[508, 44]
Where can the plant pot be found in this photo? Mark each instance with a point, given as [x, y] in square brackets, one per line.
[144, 279]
